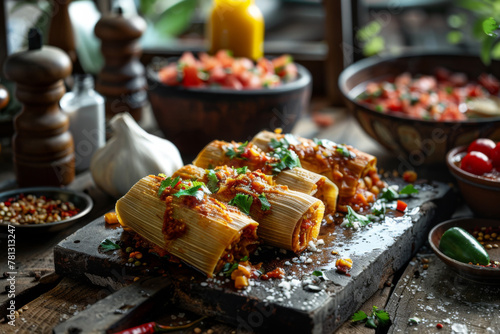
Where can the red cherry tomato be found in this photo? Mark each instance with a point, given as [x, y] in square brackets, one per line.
[476, 163]
[489, 82]
[495, 157]
[483, 145]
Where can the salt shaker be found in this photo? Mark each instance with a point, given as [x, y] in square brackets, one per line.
[42, 145]
[85, 110]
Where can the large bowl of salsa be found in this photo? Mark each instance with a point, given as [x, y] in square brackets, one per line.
[419, 106]
[195, 102]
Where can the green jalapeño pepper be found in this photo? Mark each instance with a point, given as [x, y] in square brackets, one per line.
[461, 246]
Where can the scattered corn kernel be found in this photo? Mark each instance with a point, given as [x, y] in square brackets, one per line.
[488, 246]
[344, 263]
[495, 245]
[111, 218]
[136, 278]
[335, 252]
[240, 282]
[425, 266]
[425, 260]
[487, 236]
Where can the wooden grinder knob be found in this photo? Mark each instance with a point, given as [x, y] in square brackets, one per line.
[42, 145]
[122, 80]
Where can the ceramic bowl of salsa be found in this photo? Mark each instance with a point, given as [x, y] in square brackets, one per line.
[416, 140]
[191, 116]
[481, 192]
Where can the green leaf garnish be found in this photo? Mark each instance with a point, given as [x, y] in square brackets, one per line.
[382, 316]
[264, 203]
[359, 316]
[242, 170]
[353, 217]
[229, 268]
[489, 26]
[286, 159]
[389, 194]
[317, 273]
[236, 154]
[376, 318]
[108, 245]
[243, 202]
[345, 152]
[318, 141]
[245, 258]
[379, 208]
[195, 191]
[168, 182]
[213, 181]
[408, 190]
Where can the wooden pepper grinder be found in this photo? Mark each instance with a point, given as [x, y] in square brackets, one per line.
[42, 145]
[122, 80]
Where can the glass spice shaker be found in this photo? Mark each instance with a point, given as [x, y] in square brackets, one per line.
[85, 110]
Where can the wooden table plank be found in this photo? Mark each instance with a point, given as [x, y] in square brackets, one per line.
[439, 295]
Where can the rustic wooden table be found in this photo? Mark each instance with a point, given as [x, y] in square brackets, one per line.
[433, 294]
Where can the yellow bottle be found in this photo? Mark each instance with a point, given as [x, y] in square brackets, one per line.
[236, 25]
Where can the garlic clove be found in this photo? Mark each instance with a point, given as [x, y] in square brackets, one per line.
[131, 154]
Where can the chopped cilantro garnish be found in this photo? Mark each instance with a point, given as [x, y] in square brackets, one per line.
[389, 194]
[379, 108]
[359, 316]
[377, 317]
[229, 268]
[264, 203]
[379, 208]
[353, 219]
[345, 152]
[236, 154]
[213, 181]
[168, 182]
[243, 202]
[286, 159]
[196, 191]
[242, 170]
[318, 142]
[245, 258]
[408, 190]
[108, 245]
[317, 273]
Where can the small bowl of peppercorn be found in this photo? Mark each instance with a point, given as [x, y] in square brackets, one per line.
[42, 209]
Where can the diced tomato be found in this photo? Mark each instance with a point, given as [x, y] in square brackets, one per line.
[217, 75]
[265, 66]
[401, 206]
[188, 59]
[281, 61]
[474, 91]
[191, 78]
[225, 58]
[249, 80]
[394, 105]
[489, 82]
[169, 75]
[208, 62]
[232, 82]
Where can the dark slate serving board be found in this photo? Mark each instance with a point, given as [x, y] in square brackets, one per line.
[377, 252]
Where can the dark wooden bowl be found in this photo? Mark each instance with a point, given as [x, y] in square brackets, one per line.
[481, 194]
[415, 141]
[192, 117]
[473, 272]
[81, 200]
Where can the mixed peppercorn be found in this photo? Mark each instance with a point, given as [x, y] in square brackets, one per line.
[30, 209]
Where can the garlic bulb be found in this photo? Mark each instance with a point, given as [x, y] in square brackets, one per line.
[131, 154]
